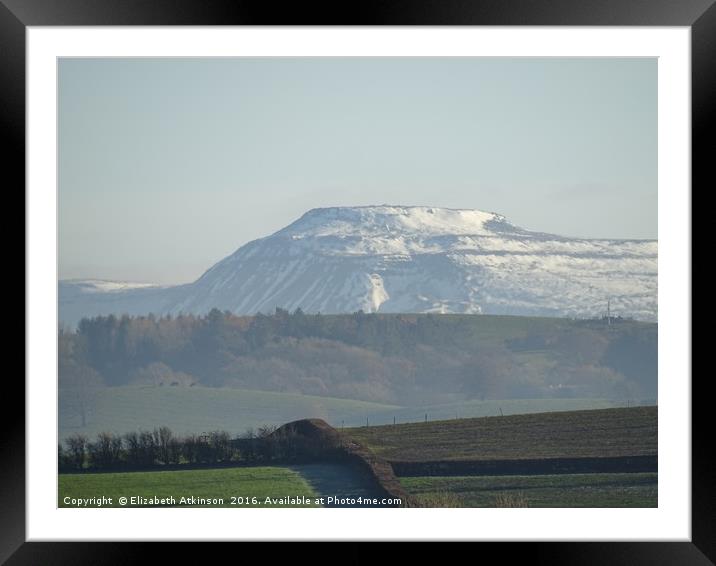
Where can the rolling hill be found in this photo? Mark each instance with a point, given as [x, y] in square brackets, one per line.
[400, 259]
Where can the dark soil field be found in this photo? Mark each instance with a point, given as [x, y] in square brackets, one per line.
[603, 433]
[535, 460]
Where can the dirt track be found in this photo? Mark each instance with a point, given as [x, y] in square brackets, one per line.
[375, 469]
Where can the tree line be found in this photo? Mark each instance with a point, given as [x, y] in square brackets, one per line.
[401, 359]
[161, 447]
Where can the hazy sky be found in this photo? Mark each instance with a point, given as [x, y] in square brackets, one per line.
[168, 165]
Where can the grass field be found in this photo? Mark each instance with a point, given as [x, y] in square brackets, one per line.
[223, 484]
[571, 434]
[488, 408]
[197, 409]
[487, 326]
[566, 490]
[274, 482]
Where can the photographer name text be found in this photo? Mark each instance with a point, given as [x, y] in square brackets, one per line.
[251, 501]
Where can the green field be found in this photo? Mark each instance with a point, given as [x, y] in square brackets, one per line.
[275, 482]
[488, 408]
[597, 433]
[494, 327]
[565, 490]
[198, 409]
[260, 482]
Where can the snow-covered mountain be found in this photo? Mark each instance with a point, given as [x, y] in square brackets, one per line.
[402, 259]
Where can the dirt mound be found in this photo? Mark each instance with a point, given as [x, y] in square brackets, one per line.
[312, 428]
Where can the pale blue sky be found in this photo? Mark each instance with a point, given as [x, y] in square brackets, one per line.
[168, 165]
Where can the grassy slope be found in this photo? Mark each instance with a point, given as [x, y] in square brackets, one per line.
[571, 490]
[598, 433]
[493, 326]
[489, 408]
[224, 483]
[505, 326]
[198, 409]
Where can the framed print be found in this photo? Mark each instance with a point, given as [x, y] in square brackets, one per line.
[263, 270]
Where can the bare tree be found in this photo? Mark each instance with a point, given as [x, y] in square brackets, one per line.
[106, 451]
[147, 448]
[133, 448]
[191, 448]
[77, 447]
[220, 446]
[163, 439]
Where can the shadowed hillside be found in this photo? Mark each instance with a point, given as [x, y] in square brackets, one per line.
[406, 360]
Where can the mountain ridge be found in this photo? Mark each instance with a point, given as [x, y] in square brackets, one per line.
[390, 258]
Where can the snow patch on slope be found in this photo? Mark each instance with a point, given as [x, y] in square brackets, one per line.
[377, 294]
[104, 286]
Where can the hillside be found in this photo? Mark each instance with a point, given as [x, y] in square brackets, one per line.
[605, 433]
[199, 409]
[406, 360]
[401, 259]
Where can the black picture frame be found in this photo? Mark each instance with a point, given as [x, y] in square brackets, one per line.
[17, 15]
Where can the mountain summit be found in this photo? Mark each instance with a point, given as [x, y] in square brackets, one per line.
[385, 219]
[404, 259]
